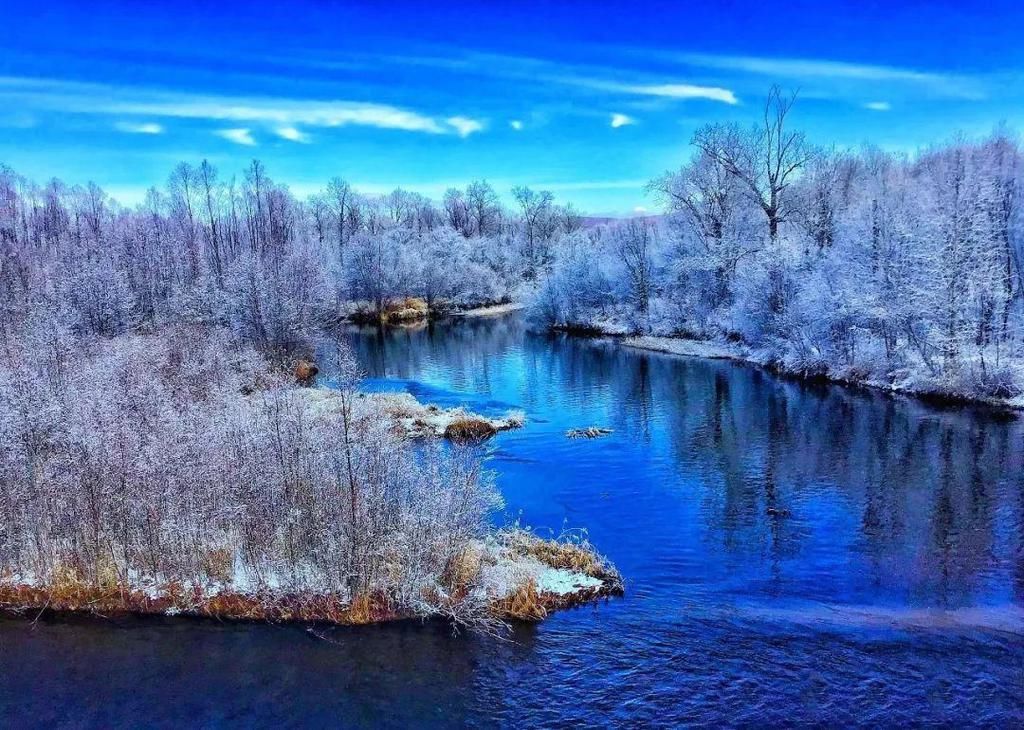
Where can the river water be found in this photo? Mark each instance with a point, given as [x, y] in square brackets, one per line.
[792, 553]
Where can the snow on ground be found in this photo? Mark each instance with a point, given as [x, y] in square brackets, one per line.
[907, 384]
[503, 572]
[687, 348]
[562, 582]
[491, 311]
[416, 419]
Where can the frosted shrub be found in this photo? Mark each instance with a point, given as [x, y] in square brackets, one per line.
[180, 458]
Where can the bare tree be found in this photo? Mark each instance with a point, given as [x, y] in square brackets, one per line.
[766, 158]
[207, 175]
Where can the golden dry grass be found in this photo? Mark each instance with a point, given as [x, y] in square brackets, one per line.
[69, 594]
[409, 309]
[468, 430]
[526, 604]
[463, 570]
[69, 591]
[568, 553]
[579, 558]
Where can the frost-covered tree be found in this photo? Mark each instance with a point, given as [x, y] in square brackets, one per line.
[766, 158]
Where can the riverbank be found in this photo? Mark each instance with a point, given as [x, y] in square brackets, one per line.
[413, 311]
[730, 351]
[513, 575]
[493, 310]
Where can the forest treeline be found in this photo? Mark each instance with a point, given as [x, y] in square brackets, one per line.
[244, 253]
[903, 270]
[867, 265]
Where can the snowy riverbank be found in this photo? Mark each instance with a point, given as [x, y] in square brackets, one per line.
[509, 576]
[490, 311]
[730, 351]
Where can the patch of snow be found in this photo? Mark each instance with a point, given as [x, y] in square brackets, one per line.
[686, 348]
[504, 572]
[563, 582]
[491, 311]
[416, 419]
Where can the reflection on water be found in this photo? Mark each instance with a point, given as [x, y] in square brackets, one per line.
[792, 552]
[781, 488]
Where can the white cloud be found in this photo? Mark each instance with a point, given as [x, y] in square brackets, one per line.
[291, 112]
[640, 210]
[542, 71]
[621, 120]
[878, 106]
[89, 98]
[140, 127]
[666, 90]
[808, 68]
[683, 91]
[238, 136]
[464, 126]
[292, 134]
[516, 124]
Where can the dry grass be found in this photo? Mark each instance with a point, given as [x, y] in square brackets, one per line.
[570, 552]
[68, 591]
[468, 430]
[410, 309]
[69, 594]
[463, 570]
[526, 604]
[577, 557]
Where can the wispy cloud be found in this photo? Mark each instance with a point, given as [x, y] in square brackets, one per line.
[464, 126]
[545, 72]
[139, 127]
[516, 124]
[829, 69]
[621, 120]
[878, 106]
[288, 112]
[667, 90]
[292, 134]
[275, 112]
[238, 136]
[670, 91]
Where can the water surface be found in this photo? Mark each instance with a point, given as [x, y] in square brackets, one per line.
[792, 553]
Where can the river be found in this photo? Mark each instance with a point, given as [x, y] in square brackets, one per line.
[792, 553]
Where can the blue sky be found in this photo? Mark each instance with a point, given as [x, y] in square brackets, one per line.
[589, 100]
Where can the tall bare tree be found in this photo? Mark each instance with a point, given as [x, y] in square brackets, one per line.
[766, 158]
